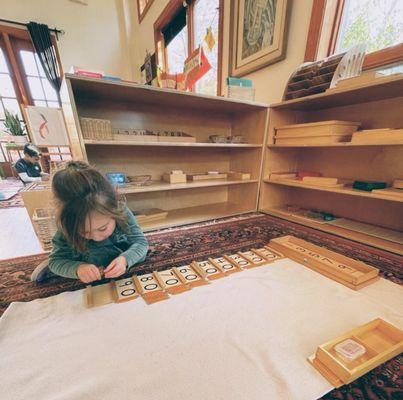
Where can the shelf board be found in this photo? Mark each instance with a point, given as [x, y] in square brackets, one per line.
[191, 215]
[98, 88]
[159, 186]
[344, 191]
[168, 144]
[380, 89]
[346, 144]
[345, 233]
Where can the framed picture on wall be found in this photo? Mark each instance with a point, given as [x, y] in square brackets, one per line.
[258, 34]
[47, 126]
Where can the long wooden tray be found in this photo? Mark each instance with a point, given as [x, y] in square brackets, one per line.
[351, 273]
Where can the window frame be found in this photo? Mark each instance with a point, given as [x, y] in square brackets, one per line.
[142, 14]
[13, 40]
[167, 15]
[323, 32]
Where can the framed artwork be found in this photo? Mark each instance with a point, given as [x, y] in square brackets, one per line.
[258, 34]
[47, 126]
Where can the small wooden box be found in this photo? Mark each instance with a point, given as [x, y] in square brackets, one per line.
[382, 341]
[174, 178]
[351, 273]
[205, 177]
[238, 175]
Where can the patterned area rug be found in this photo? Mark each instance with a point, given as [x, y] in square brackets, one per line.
[9, 196]
[196, 242]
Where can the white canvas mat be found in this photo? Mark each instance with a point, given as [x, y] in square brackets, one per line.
[246, 336]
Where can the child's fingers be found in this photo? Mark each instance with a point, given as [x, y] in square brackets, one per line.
[117, 270]
[109, 267]
[95, 274]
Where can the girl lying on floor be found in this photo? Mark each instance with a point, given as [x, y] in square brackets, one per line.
[94, 229]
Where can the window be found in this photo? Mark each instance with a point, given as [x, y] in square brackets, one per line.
[142, 8]
[22, 79]
[180, 30]
[377, 23]
[337, 25]
[41, 92]
[8, 96]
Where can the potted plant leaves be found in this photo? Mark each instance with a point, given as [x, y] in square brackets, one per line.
[15, 128]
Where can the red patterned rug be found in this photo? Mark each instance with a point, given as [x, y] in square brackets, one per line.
[9, 196]
[196, 242]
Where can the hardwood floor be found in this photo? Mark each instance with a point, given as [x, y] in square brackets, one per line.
[17, 237]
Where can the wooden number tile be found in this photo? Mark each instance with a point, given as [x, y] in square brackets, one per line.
[254, 258]
[268, 253]
[208, 270]
[149, 288]
[189, 276]
[170, 282]
[225, 265]
[99, 295]
[125, 290]
[240, 261]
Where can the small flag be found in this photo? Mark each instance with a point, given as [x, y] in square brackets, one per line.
[209, 39]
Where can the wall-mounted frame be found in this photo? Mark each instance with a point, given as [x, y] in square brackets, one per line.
[142, 7]
[258, 36]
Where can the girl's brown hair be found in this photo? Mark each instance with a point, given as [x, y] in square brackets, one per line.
[78, 190]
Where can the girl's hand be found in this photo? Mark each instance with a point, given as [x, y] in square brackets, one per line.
[88, 273]
[116, 268]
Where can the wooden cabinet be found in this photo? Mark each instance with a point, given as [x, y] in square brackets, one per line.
[375, 105]
[131, 106]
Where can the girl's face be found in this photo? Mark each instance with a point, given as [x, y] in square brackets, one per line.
[98, 226]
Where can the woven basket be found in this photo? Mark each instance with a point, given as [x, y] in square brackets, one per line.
[55, 166]
[43, 220]
[96, 129]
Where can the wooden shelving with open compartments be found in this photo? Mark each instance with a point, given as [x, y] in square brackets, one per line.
[375, 105]
[129, 105]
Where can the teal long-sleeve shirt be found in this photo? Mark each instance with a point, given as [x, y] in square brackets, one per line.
[131, 244]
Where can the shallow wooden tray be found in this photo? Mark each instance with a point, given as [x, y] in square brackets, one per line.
[322, 128]
[351, 273]
[381, 340]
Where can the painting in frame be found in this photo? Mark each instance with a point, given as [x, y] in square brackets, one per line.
[259, 34]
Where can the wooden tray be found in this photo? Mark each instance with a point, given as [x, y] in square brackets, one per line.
[306, 140]
[374, 136]
[382, 341]
[322, 128]
[351, 273]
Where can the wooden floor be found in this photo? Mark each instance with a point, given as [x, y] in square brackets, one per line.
[17, 237]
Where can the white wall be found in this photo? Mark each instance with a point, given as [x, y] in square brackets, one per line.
[95, 34]
[269, 81]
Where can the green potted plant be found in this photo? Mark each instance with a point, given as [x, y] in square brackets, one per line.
[14, 127]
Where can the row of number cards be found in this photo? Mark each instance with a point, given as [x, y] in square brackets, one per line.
[157, 286]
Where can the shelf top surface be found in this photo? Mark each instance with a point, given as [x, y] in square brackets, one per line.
[380, 89]
[168, 144]
[104, 89]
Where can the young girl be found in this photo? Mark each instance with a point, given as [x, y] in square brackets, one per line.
[94, 230]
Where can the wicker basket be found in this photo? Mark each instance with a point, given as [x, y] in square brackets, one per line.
[43, 220]
[96, 129]
[55, 166]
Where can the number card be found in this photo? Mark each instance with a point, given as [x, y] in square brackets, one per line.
[125, 290]
[268, 253]
[170, 282]
[149, 288]
[225, 265]
[189, 276]
[208, 270]
[240, 261]
[254, 258]
[100, 295]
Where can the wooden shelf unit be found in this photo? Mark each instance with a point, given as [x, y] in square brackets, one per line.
[128, 105]
[376, 105]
